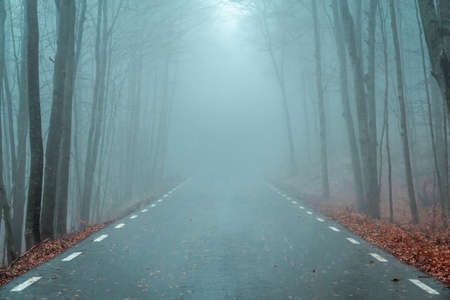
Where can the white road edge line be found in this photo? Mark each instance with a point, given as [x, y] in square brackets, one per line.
[133, 217]
[71, 256]
[119, 225]
[320, 219]
[352, 240]
[333, 228]
[26, 284]
[378, 257]
[424, 287]
[101, 238]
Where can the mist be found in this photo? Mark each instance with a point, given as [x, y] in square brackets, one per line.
[236, 144]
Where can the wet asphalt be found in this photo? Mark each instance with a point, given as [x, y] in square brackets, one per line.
[218, 239]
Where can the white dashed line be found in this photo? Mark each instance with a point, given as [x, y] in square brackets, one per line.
[424, 287]
[333, 228]
[378, 257]
[144, 210]
[71, 256]
[160, 200]
[133, 217]
[119, 225]
[352, 240]
[301, 207]
[320, 219]
[309, 213]
[165, 196]
[288, 198]
[101, 238]
[26, 284]
[294, 202]
[153, 205]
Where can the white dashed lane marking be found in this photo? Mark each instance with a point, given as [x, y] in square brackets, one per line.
[309, 212]
[165, 196]
[26, 284]
[144, 210]
[71, 256]
[294, 202]
[153, 205]
[378, 257]
[119, 225]
[333, 228]
[352, 240]
[301, 207]
[133, 217]
[160, 200]
[101, 238]
[320, 219]
[424, 287]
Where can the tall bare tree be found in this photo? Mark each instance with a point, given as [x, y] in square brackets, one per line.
[32, 228]
[403, 118]
[322, 116]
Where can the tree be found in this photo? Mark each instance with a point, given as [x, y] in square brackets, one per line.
[370, 178]
[32, 228]
[61, 107]
[403, 121]
[4, 204]
[322, 116]
[347, 113]
[435, 17]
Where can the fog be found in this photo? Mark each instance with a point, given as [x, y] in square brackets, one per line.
[341, 107]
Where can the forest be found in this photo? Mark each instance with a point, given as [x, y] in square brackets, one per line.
[105, 104]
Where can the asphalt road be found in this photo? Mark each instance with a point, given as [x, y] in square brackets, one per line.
[222, 240]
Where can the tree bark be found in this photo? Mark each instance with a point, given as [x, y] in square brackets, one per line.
[436, 27]
[403, 120]
[65, 146]
[373, 184]
[97, 113]
[32, 228]
[62, 77]
[322, 116]
[343, 76]
[360, 98]
[19, 190]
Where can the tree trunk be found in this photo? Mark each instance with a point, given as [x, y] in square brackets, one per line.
[436, 26]
[343, 76]
[372, 184]
[403, 121]
[10, 245]
[19, 190]
[61, 78]
[65, 146]
[442, 198]
[322, 116]
[32, 228]
[360, 98]
[386, 118]
[97, 113]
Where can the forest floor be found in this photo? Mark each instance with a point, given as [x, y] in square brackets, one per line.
[425, 246]
[50, 248]
[45, 251]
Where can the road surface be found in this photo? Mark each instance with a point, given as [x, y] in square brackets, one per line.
[222, 240]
